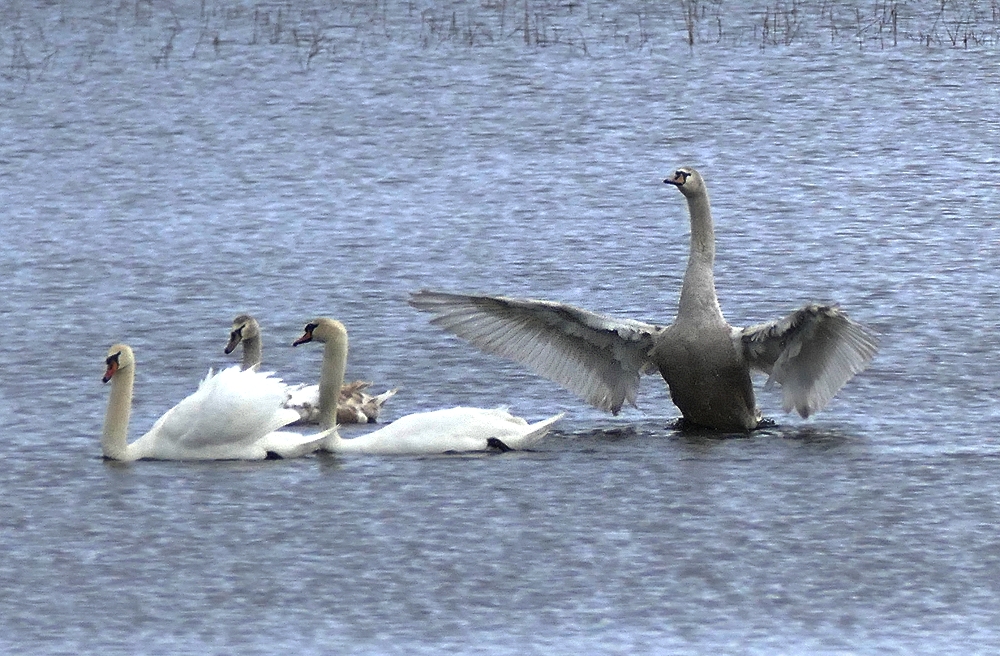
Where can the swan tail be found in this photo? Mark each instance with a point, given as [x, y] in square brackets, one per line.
[373, 405]
[363, 408]
[380, 399]
[532, 437]
[287, 444]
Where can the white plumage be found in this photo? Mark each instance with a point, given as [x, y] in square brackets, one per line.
[233, 415]
[457, 430]
[356, 405]
[451, 430]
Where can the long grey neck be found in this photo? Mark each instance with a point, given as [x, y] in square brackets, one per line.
[698, 298]
[331, 380]
[115, 436]
[251, 352]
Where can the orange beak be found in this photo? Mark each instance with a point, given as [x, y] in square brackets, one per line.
[111, 370]
[307, 337]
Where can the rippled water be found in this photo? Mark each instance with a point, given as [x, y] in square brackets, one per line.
[150, 201]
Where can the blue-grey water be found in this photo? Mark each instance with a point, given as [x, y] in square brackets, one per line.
[165, 167]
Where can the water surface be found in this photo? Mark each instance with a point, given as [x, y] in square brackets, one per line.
[150, 201]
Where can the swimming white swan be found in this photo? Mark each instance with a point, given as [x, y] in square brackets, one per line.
[356, 406]
[440, 431]
[234, 415]
[706, 362]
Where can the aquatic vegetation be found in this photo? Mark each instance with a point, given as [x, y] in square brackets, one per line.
[34, 37]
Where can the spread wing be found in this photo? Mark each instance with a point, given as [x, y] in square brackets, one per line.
[811, 353]
[597, 357]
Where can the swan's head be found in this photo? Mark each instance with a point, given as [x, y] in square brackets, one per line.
[244, 327]
[323, 330]
[687, 180]
[119, 357]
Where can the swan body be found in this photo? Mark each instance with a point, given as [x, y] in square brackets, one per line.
[441, 431]
[233, 415]
[705, 362]
[451, 430]
[356, 406]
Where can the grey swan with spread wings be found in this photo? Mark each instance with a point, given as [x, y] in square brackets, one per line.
[705, 362]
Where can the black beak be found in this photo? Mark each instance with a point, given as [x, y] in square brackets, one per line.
[678, 179]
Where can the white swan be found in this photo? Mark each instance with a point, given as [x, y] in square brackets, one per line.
[440, 431]
[706, 362]
[234, 415]
[356, 406]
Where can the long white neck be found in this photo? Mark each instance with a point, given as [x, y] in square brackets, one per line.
[251, 352]
[331, 380]
[114, 439]
[698, 298]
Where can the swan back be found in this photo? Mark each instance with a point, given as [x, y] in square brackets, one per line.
[451, 430]
[242, 405]
[230, 412]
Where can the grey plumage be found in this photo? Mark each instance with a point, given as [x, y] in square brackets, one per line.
[706, 363]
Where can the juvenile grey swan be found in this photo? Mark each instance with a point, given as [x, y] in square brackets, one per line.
[356, 405]
[459, 429]
[705, 362]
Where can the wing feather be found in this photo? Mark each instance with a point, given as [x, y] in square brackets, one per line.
[811, 353]
[597, 357]
[231, 407]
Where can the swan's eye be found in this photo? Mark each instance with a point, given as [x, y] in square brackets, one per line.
[310, 327]
[112, 359]
[682, 176]
[236, 333]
